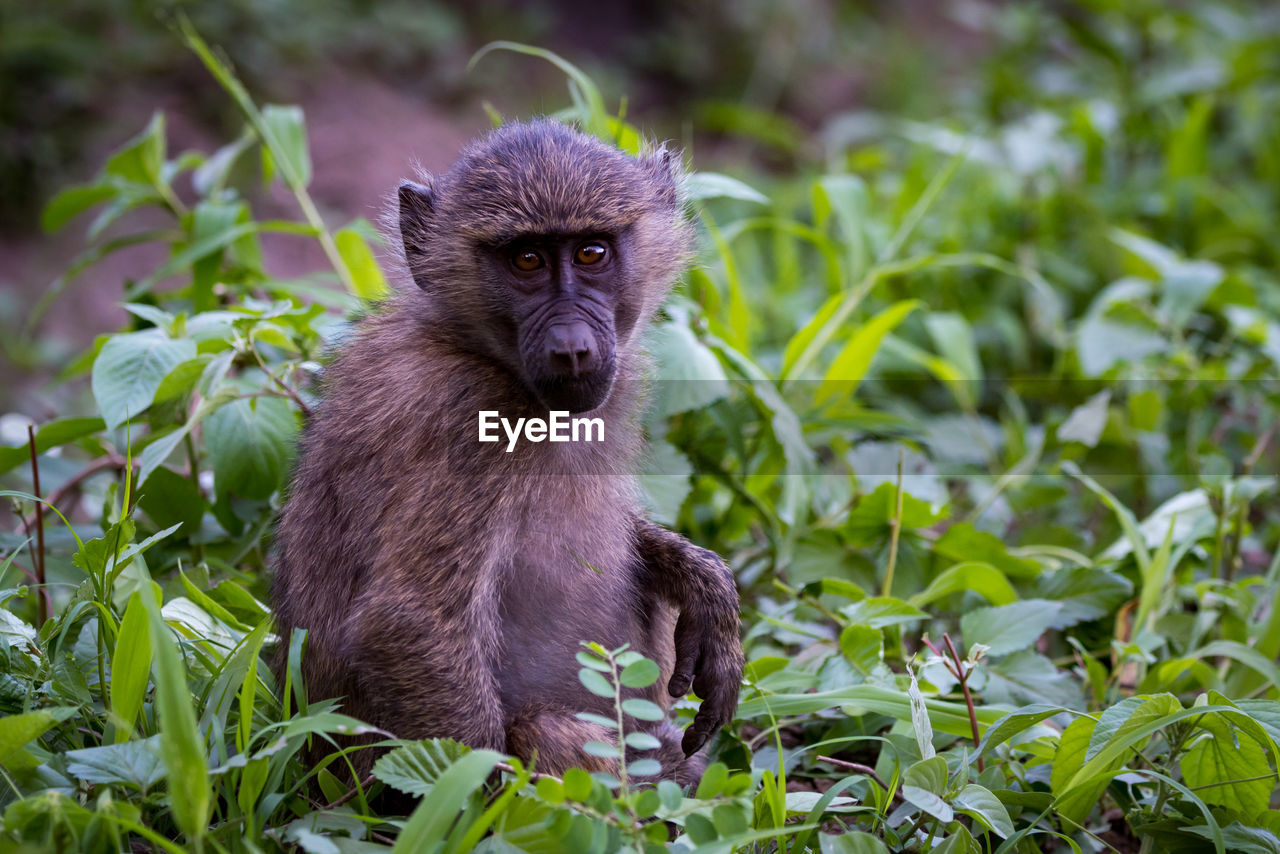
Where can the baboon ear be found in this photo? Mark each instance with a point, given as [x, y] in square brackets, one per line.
[667, 165]
[416, 209]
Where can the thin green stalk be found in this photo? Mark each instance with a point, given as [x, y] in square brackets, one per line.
[895, 530]
[292, 179]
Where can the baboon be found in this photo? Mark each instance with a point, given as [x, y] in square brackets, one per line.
[445, 583]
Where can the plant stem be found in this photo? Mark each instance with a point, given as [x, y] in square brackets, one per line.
[42, 598]
[895, 529]
[963, 675]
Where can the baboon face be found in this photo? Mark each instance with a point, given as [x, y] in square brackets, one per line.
[545, 249]
[566, 294]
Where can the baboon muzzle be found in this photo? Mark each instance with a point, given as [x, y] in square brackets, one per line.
[571, 349]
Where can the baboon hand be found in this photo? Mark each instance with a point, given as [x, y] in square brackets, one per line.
[708, 652]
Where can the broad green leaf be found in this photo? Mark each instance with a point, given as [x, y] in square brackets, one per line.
[881, 611]
[366, 275]
[1016, 722]
[962, 543]
[415, 768]
[130, 368]
[1228, 768]
[130, 666]
[689, 375]
[863, 646]
[141, 159]
[928, 774]
[1009, 627]
[984, 806]
[981, 578]
[250, 444]
[1085, 423]
[16, 731]
[138, 764]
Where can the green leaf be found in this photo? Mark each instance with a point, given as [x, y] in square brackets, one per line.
[853, 842]
[415, 768]
[863, 646]
[129, 370]
[643, 709]
[1075, 802]
[979, 802]
[602, 749]
[184, 750]
[171, 499]
[430, 822]
[689, 375]
[51, 435]
[16, 731]
[1008, 627]
[644, 768]
[642, 741]
[251, 445]
[1016, 722]
[639, 674]
[1228, 768]
[962, 543]
[881, 611]
[138, 764]
[1085, 423]
[595, 682]
[713, 185]
[130, 666]
[286, 136]
[928, 774]
[981, 578]
[72, 202]
[854, 359]
[366, 275]
[141, 160]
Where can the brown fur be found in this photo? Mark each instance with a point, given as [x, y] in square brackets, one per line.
[445, 584]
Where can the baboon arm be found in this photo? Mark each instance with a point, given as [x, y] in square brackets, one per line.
[424, 669]
[708, 650]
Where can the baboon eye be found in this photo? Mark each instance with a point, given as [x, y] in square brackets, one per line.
[526, 260]
[589, 253]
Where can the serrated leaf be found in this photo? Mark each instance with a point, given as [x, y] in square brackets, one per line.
[251, 445]
[138, 764]
[415, 768]
[130, 368]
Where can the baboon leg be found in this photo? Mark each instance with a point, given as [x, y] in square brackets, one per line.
[553, 741]
[422, 674]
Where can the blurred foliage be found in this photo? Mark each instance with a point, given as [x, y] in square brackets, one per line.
[982, 409]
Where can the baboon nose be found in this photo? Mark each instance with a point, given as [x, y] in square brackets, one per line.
[570, 349]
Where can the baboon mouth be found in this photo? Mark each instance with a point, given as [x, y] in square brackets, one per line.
[575, 394]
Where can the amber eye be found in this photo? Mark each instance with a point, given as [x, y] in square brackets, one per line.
[589, 253]
[527, 260]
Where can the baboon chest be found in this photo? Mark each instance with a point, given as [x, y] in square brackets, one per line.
[557, 591]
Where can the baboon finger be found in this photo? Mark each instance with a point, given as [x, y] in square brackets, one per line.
[688, 651]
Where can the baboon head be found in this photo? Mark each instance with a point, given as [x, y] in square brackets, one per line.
[547, 250]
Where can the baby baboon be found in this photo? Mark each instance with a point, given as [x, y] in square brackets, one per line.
[445, 582]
